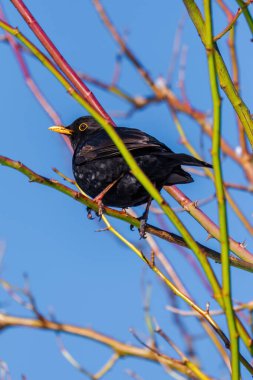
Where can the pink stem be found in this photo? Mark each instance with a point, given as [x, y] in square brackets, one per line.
[213, 230]
[31, 83]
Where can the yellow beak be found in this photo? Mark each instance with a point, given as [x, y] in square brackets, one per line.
[61, 129]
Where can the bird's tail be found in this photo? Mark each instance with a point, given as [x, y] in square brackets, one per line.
[185, 159]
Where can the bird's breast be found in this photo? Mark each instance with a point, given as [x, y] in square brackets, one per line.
[94, 176]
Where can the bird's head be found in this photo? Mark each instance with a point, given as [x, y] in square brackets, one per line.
[80, 128]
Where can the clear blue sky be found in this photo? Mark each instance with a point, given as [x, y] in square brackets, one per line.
[86, 277]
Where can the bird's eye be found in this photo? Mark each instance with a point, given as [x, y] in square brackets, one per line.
[82, 127]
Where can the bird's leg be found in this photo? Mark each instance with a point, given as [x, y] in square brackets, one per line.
[99, 198]
[143, 219]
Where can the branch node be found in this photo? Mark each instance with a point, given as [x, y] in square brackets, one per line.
[209, 236]
[243, 244]
[77, 195]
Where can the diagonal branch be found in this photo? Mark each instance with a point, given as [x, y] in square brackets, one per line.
[206, 222]
[246, 13]
[60, 61]
[232, 22]
[170, 237]
[126, 50]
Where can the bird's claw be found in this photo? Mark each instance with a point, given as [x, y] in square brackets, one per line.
[131, 227]
[99, 213]
[89, 213]
[142, 229]
[100, 209]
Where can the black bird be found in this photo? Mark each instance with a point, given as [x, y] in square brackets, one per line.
[102, 173]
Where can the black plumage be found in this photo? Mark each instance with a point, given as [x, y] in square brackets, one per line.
[97, 163]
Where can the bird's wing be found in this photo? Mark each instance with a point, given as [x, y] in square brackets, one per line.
[101, 146]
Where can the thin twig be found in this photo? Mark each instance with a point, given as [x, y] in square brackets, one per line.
[175, 49]
[70, 358]
[190, 313]
[176, 280]
[107, 366]
[190, 364]
[142, 71]
[232, 22]
[247, 14]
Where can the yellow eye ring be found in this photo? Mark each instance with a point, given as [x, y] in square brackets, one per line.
[82, 127]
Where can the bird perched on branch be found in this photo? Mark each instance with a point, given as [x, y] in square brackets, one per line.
[101, 171]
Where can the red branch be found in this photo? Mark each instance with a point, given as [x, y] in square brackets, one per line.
[60, 61]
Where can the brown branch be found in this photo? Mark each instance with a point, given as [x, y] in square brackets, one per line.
[125, 49]
[170, 237]
[121, 349]
[228, 185]
[137, 102]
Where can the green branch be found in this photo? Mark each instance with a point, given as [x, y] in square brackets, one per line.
[223, 74]
[246, 13]
[167, 236]
[218, 179]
